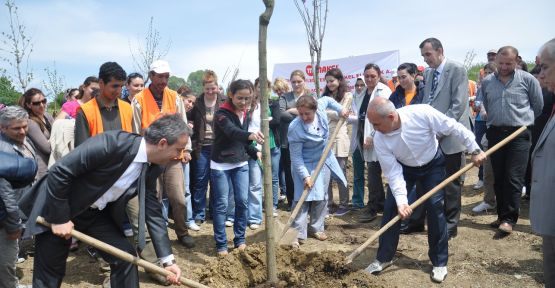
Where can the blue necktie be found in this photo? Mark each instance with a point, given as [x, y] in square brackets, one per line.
[435, 81]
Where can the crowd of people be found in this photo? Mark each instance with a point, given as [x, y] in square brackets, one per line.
[121, 156]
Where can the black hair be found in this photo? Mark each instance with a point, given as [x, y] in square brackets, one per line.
[132, 76]
[111, 70]
[373, 66]
[169, 127]
[436, 44]
[410, 67]
[343, 87]
[240, 84]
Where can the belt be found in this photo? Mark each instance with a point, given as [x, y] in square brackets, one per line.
[506, 128]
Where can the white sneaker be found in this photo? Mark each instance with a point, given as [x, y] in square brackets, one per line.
[228, 223]
[275, 213]
[478, 185]
[377, 266]
[482, 207]
[193, 226]
[282, 198]
[523, 192]
[254, 226]
[439, 274]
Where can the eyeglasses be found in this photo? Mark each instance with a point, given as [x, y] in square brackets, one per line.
[37, 103]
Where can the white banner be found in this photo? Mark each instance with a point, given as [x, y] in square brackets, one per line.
[352, 68]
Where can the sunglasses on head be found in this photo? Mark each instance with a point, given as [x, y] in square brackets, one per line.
[37, 103]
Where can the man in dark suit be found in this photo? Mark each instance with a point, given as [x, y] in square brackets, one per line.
[542, 195]
[446, 90]
[89, 188]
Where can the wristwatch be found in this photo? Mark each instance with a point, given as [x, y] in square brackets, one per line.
[476, 152]
[169, 263]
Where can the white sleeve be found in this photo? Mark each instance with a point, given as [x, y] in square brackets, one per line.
[392, 170]
[444, 125]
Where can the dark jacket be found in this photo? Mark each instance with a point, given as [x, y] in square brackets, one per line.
[231, 143]
[12, 186]
[198, 117]
[80, 178]
[275, 122]
[398, 96]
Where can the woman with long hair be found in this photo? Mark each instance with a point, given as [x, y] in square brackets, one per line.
[40, 126]
[338, 90]
[229, 168]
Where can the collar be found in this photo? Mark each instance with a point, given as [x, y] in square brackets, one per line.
[102, 106]
[441, 66]
[141, 156]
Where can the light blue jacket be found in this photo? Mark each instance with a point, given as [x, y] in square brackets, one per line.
[306, 148]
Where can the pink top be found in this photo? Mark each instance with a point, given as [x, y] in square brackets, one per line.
[70, 107]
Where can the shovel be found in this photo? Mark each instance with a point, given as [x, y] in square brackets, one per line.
[430, 193]
[124, 255]
[288, 234]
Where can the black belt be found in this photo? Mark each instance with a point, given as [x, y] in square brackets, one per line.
[506, 128]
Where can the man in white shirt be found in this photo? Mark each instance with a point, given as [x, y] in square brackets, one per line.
[408, 151]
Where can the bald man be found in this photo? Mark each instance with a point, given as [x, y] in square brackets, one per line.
[408, 151]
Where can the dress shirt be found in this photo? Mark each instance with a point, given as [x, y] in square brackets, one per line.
[415, 143]
[128, 177]
[516, 103]
[439, 69]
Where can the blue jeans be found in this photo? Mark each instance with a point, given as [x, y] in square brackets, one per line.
[429, 176]
[358, 179]
[201, 178]
[255, 193]
[479, 131]
[238, 178]
[189, 217]
[276, 158]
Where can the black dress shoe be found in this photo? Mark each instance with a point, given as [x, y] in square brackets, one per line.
[411, 229]
[187, 241]
[452, 234]
[367, 217]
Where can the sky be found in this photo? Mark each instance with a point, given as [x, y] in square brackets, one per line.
[76, 37]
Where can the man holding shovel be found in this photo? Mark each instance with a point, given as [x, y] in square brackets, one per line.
[89, 188]
[408, 151]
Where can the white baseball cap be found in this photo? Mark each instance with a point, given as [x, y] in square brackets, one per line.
[160, 66]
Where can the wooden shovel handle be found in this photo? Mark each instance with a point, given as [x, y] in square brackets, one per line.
[316, 171]
[124, 255]
[430, 193]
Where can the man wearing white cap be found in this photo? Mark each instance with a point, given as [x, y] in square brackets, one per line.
[148, 106]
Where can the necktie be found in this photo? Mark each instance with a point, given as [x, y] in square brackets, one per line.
[142, 194]
[435, 81]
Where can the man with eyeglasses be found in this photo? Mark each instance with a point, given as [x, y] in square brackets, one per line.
[156, 100]
[107, 111]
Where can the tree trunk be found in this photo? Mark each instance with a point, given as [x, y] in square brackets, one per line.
[266, 155]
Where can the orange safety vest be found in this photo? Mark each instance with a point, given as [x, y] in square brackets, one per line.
[149, 108]
[94, 119]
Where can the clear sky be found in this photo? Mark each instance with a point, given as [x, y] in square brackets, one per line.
[80, 35]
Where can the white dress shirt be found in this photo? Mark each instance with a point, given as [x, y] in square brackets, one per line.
[128, 177]
[415, 143]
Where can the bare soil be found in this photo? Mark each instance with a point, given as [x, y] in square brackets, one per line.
[477, 257]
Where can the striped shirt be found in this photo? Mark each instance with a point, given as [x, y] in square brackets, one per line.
[516, 103]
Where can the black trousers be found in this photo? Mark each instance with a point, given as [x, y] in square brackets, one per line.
[286, 162]
[51, 251]
[509, 168]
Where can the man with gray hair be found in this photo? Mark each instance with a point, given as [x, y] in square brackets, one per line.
[408, 151]
[89, 188]
[542, 198]
[13, 141]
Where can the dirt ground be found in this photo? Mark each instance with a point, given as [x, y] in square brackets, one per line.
[476, 257]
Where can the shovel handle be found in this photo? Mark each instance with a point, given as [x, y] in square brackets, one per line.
[430, 193]
[123, 255]
[316, 171]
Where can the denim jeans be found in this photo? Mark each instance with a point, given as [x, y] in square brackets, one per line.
[201, 178]
[188, 201]
[429, 176]
[276, 155]
[343, 190]
[255, 193]
[238, 178]
[358, 179]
